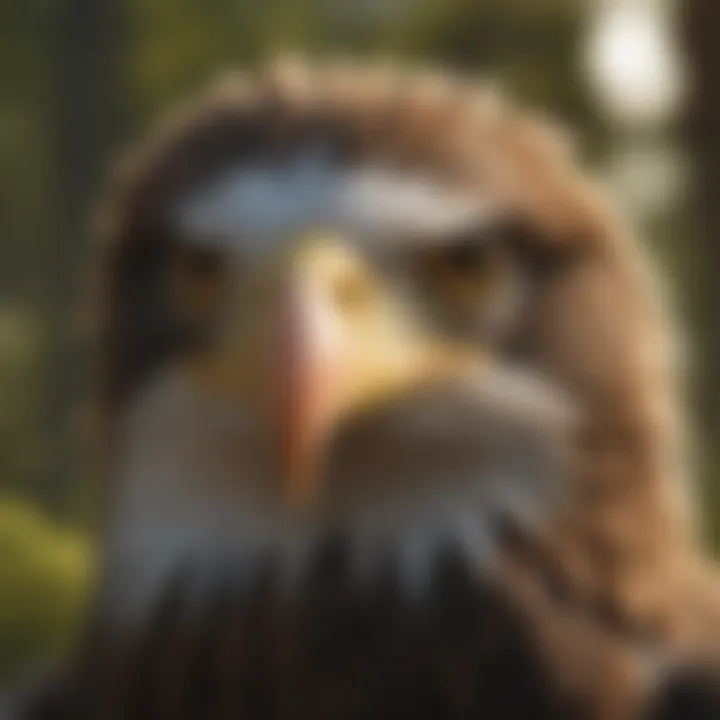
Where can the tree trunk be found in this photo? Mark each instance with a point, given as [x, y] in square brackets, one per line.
[701, 26]
[86, 101]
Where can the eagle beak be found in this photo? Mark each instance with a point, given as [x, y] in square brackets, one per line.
[333, 342]
[311, 374]
[343, 345]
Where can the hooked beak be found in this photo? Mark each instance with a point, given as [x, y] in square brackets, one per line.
[312, 374]
[336, 343]
[343, 346]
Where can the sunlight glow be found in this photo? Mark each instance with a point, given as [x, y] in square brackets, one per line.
[632, 63]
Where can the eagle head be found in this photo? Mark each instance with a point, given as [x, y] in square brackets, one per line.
[353, 303]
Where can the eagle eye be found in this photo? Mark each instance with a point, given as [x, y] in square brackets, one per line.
[473, 282]
[463, 270]
[197, 276]
[464, 258]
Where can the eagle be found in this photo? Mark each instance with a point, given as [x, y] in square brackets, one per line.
[391, 421]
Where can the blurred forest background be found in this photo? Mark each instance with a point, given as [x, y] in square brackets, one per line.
[638, 79]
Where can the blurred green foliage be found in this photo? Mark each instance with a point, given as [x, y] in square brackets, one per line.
[44, 571]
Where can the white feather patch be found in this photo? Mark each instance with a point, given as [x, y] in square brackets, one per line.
[192, 489]
[258, 205]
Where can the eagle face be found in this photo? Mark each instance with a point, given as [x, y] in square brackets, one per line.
[321, 322]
